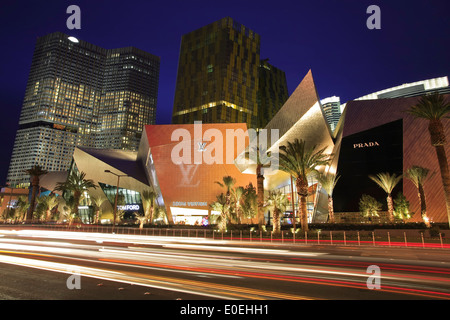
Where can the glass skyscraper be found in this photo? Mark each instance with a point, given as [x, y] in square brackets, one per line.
[332, 110]
[79, 94]
[218, 75]
[272, 92]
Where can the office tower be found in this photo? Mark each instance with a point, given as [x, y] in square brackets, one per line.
[332, 110]
[272, 92]
[79, 94]
[217, 78]
[129, 95]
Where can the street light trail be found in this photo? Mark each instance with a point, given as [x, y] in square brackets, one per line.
[168, 283]
[227, 272]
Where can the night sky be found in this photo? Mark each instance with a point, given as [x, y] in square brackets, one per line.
[328, 37]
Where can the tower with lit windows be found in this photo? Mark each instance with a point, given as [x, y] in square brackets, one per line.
[331, 107]
[79, 94]
[217, 78]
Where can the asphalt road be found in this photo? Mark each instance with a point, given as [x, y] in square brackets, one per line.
[51, 265]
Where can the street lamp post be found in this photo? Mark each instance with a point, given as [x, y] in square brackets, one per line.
[117, 195]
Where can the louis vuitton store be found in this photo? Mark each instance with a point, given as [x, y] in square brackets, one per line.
[185, 189]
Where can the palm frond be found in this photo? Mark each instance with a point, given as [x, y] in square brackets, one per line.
[386, 181]
[299, 161]
[328, 182]
[36, 171]
[431, 107]
[418, 175]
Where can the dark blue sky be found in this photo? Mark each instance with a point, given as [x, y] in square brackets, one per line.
[329, 37]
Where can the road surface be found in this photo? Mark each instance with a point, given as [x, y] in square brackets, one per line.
[56, 265]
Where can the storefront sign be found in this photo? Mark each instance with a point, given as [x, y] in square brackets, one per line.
[365, 145]
[189, 204]
[129, 207]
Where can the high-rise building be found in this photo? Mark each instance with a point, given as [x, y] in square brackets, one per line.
[272, 92]
[79, 94]
[412, 89]
[332, 110]
[218, 75]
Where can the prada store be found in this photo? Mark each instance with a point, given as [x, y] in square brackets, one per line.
[377, 136]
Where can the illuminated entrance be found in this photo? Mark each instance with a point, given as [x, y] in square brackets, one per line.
[129, 201]
[188, 216]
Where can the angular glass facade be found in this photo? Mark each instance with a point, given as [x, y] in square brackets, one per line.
[129, 201]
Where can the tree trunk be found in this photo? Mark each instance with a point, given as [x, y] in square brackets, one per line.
[35, 187]
[390, 208]
[330, 209]
[276, 221]
[302, 190]
[445, 175]
[260, 191]
[97, 216]
[227, 208]
[423, 206]
[437, 135]
[150, 216]
[293, 206]
[77, 197]
[223, 220]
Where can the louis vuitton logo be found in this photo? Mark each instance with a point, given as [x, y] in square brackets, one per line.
[201, 146]
[191, 149]
[187, 175]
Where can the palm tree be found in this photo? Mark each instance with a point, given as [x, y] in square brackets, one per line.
[141, 219]
[278, 202]
[22, 206]
[148, 202]
[237, 200]
[262, 160]
[434, 108]
[328, 182]
[401, 207]
[97, 202]
[227, 183]
[301, 162]
[418, 175]
[67, 212]
[387, 182]
[160, 213]
[369, 206]
[76, 184]
[221, 206]
[249, 206]
[45, 206]
[35, 173]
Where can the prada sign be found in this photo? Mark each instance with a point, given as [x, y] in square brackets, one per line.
[365, 145]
